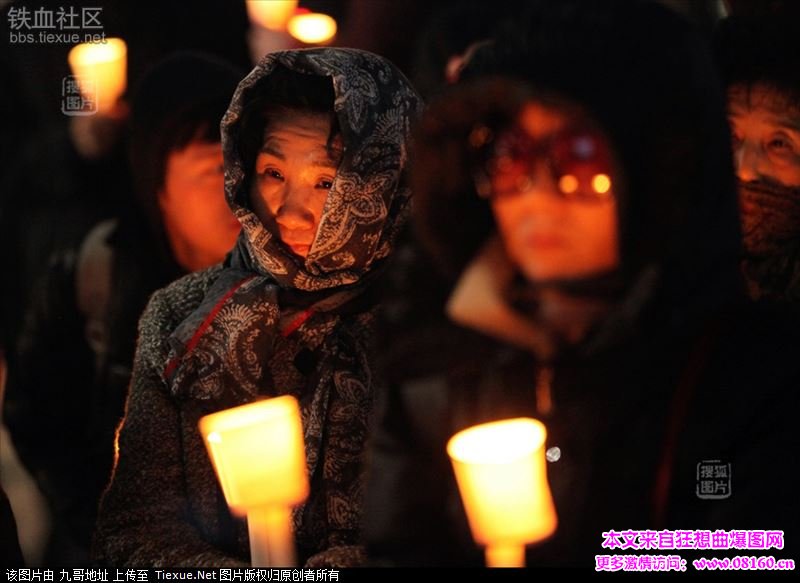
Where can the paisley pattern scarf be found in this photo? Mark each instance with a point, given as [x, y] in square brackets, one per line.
[274, 323]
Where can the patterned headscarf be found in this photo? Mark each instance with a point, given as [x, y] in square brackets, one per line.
[273, 323]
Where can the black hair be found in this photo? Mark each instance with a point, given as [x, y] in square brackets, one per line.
[758, 46]
[283, 90]
[441, 163]
[181, 99]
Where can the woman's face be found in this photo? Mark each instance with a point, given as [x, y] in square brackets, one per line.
[558, 225]
[765, 129]
[200, 224]
[294, 172]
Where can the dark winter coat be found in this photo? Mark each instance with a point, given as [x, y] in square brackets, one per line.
[267, 323]
[679, 373]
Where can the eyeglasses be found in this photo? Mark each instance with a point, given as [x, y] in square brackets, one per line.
[578, 159]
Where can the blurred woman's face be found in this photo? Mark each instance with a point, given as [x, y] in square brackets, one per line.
[552, 194]
[200, 226]
[765, 129]
[294, 172]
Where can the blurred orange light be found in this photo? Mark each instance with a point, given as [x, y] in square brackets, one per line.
[568, 184]
[312, 28]
[501, 475]
[103, 66]
[601, 183]
[258, 453]
[271, 14]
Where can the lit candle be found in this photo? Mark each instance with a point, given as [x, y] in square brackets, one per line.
[104, 65]
[258, 454]
[312, 27]
[501, 474]
[271, 14]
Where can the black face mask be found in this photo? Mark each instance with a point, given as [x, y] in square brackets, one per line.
[771, 237]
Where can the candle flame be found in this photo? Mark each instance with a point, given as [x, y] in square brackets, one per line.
[102, 65]
[312, 28]
[502, 477]
[271, 14]
[258, 452]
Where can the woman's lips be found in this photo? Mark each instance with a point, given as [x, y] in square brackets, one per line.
[299, 248]
[298, 241]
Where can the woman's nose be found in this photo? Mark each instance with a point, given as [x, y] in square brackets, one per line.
[750, 162]
[294, 213]
[539, 187]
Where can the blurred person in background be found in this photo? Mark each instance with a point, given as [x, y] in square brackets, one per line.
[760, 64]
[61, 174]
[576, 189]
[74, 353]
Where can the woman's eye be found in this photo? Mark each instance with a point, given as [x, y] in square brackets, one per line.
[325, 184]
[272, 173]
[780, 144]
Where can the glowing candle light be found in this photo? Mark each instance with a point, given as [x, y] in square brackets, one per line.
[104, 65]
[312, 27]
[258, 454]
[501, 474]
[271, 14]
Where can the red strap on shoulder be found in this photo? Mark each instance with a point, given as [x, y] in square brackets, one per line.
[172, 364]
[297, 322]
